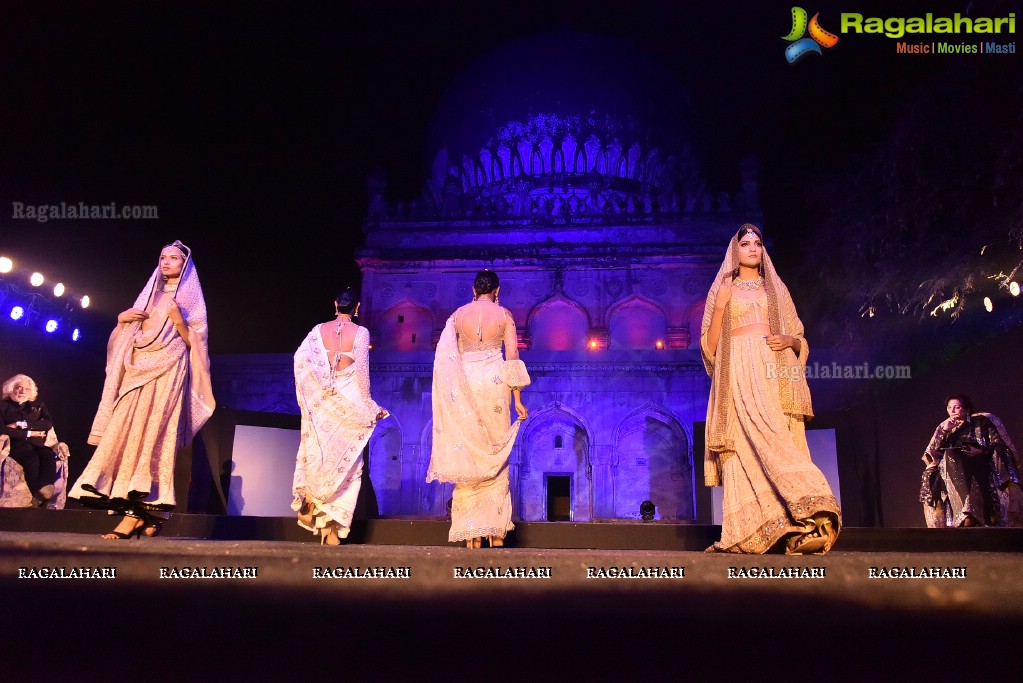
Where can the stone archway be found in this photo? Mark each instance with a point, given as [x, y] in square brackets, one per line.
[385, 466]
[554, 451]
[432, 497]
[652, 460]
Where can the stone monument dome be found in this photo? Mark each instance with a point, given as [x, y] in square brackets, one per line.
[562, 82]
[561, 124]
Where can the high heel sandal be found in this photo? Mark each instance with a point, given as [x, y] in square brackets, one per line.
[136, 530]
[476, 542]
[152, 527]
[817, 541]
[305, 514]
[495, 541]
[327, 533]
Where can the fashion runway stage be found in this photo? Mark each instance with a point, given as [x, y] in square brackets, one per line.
[184, 608]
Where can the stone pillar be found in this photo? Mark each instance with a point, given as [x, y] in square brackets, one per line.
[602, 483]
[410, 481]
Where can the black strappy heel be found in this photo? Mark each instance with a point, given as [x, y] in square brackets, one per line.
[150, 523]
[120, 535]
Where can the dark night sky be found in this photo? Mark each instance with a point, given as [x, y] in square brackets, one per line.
[252, 125]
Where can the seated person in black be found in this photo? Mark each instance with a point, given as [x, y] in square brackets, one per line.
[26, 421]
[967, 463]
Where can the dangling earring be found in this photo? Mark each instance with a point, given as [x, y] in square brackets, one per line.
[497, 299]
[475, 296]
[761, 269]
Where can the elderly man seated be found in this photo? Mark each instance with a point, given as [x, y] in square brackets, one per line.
[29, 452]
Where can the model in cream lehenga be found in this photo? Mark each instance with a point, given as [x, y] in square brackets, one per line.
[775, 498]
[156, 397]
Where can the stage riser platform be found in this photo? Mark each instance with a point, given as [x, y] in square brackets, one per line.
[540, 535]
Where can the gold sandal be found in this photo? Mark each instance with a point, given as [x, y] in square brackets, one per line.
[329, 535]
[815, 541]
[305, 513]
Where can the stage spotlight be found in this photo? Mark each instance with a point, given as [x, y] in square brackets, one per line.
[85, 301]
[51, 325]
[658, 345]
[647, 510]
[988, 305]
[17, 313]
[37, 279]
[58, 289]
[6, 264]
[76, 335]
[1014, 288]
[593, 345]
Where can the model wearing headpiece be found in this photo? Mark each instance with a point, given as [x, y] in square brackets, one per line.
[775, 498]
[156, 397]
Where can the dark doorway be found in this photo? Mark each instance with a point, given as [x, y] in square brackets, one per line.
[559, 497]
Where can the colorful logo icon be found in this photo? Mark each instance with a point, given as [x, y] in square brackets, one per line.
[802, 46]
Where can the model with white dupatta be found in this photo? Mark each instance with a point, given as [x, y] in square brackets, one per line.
[473, 434]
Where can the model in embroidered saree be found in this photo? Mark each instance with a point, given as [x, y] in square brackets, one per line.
[338, 417]
[753, 347]
[472, 431]
[156, 397]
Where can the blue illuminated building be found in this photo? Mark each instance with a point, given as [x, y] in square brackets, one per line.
[572, 169]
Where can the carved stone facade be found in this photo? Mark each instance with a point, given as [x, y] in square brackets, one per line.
[605, 235]
[608, 315]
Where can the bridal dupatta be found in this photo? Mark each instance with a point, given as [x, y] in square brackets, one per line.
[792, 390]
[190, 301]
[156, 397]
[756, 442]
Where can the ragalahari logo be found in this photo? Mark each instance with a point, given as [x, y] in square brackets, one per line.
[802, 46]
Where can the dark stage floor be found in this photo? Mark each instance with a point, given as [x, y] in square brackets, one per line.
[437, 612]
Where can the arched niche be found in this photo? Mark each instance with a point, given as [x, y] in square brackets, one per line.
[433, 496]
[554, 450]
[652, 460]
[385, 466]
[405, 326]
[636, 323]
[558, 324]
